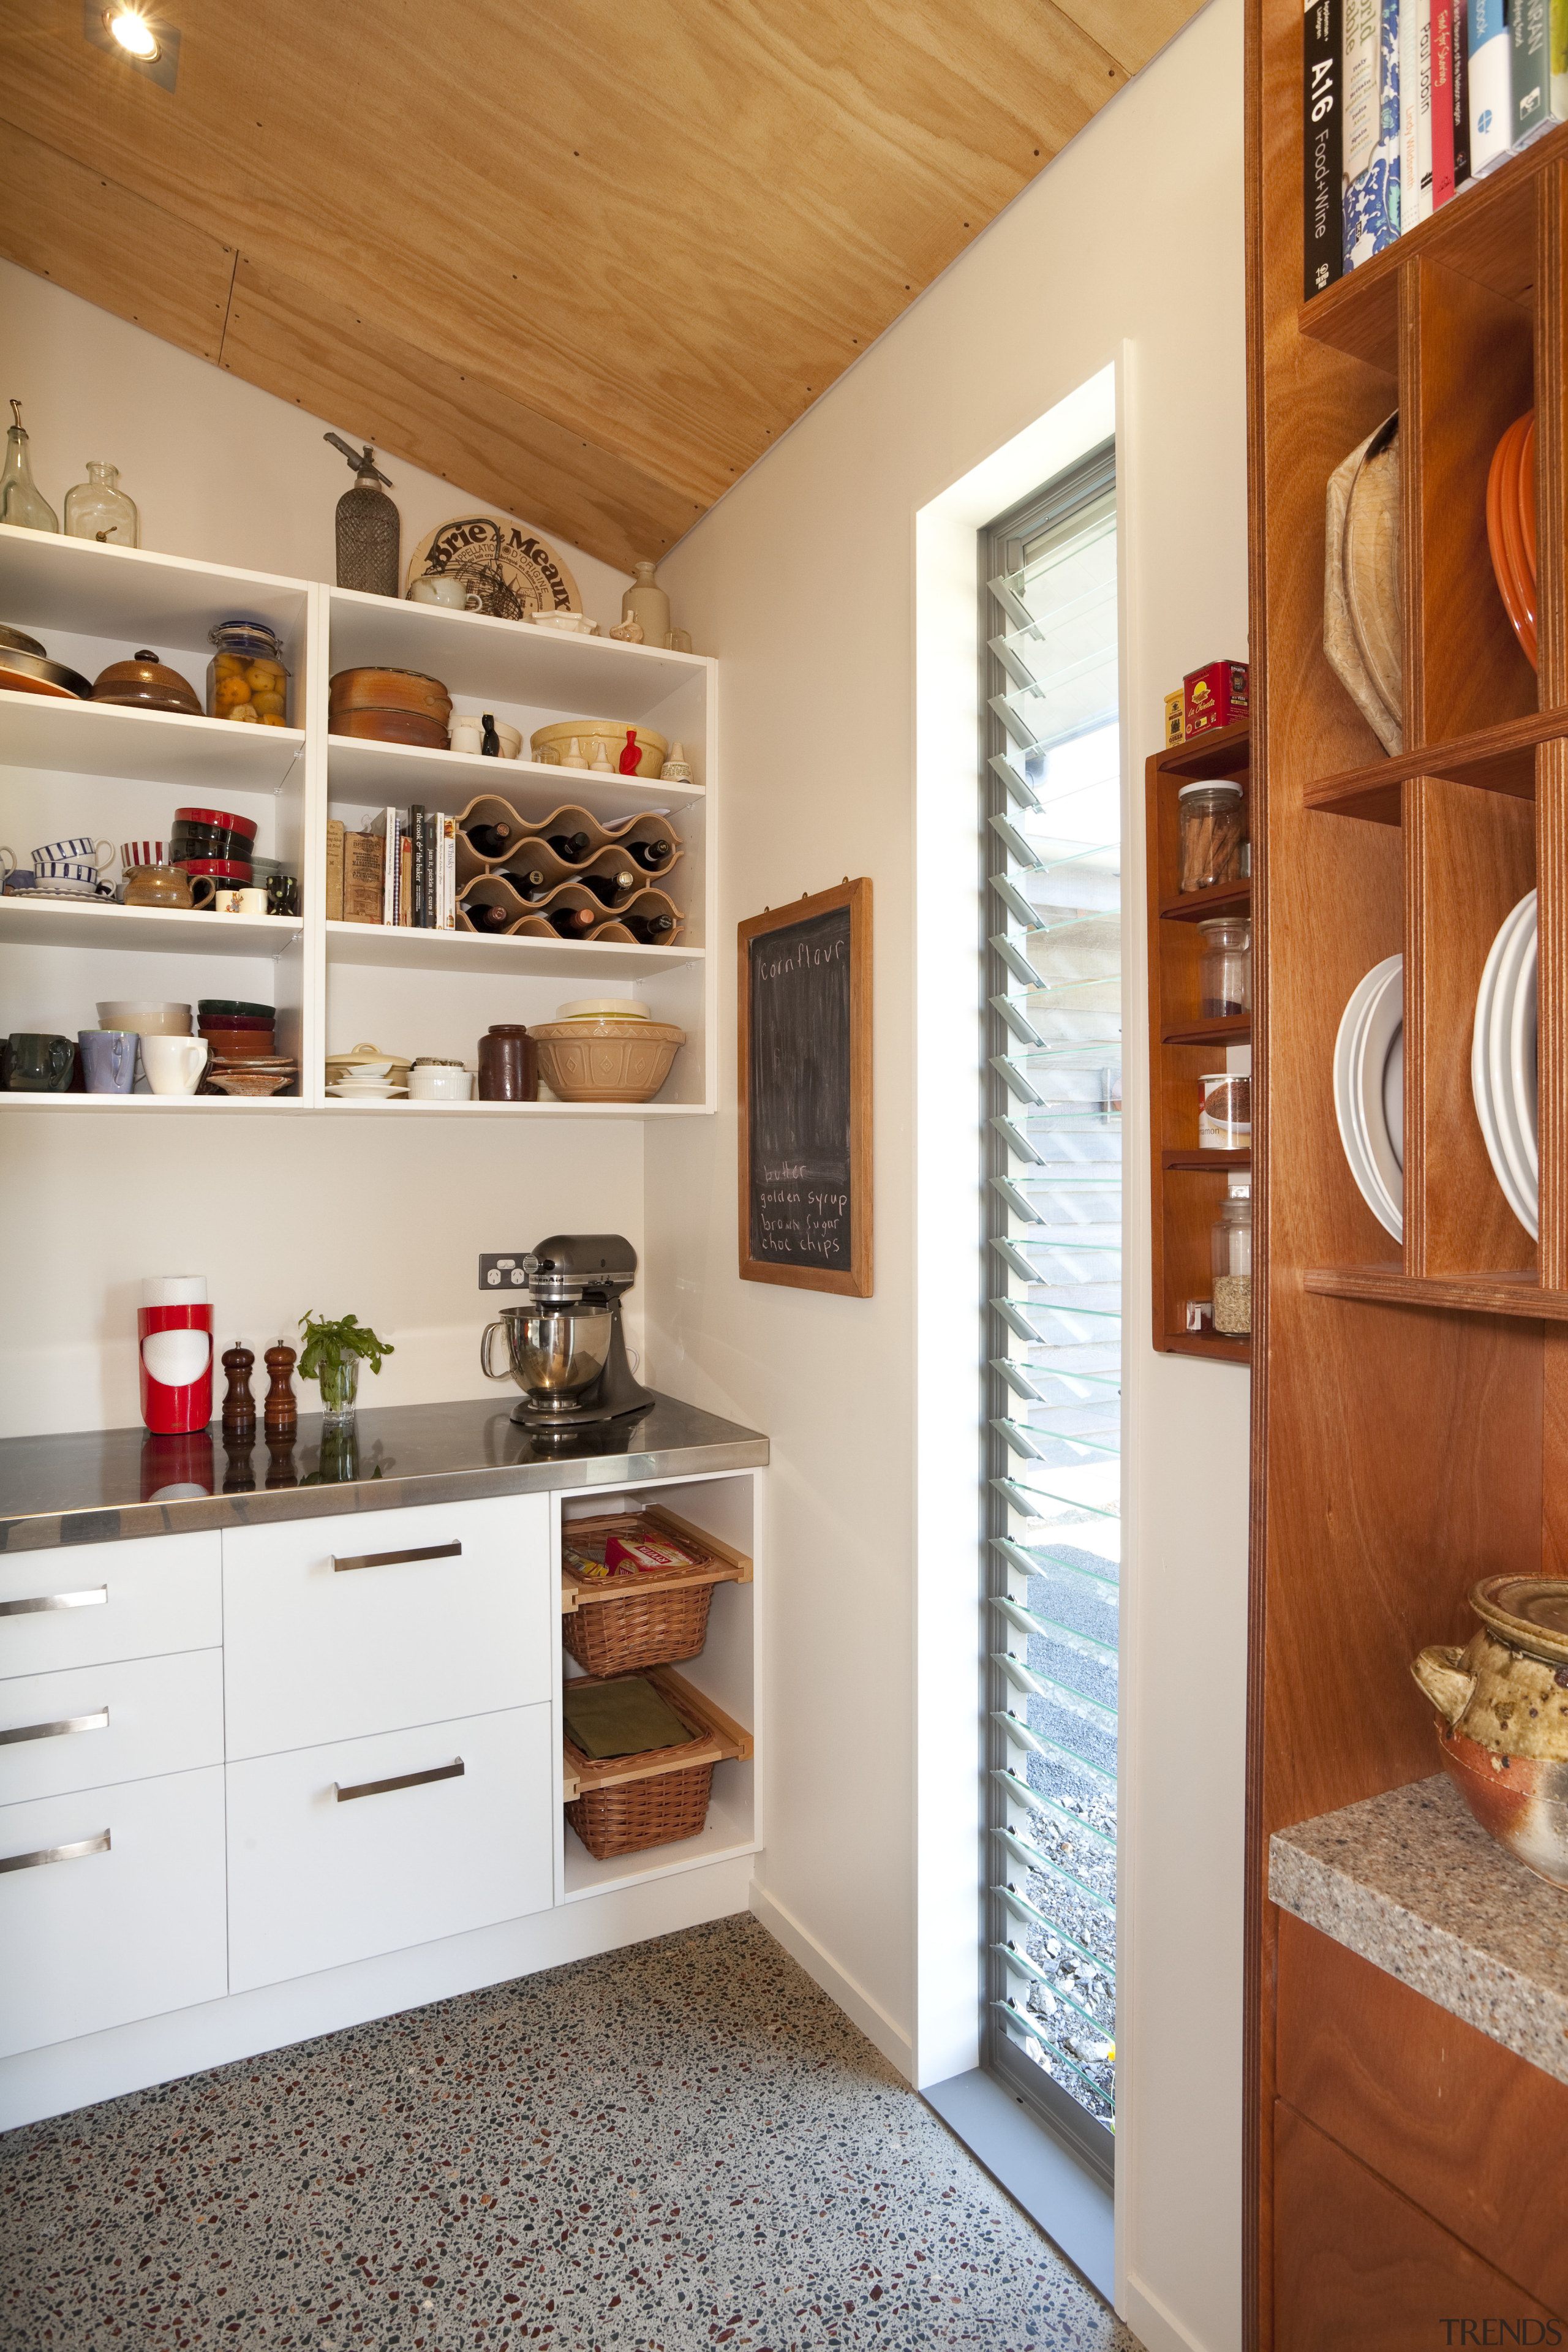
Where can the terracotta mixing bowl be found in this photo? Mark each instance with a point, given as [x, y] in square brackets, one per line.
[606, 1061]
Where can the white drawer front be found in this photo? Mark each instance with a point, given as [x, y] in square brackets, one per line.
[316, 1879]
[135, 1600]
[104, 1938]
[315, 1652]
[94, 1726]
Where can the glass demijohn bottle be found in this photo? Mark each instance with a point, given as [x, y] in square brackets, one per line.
[99, 508]
[21, 500]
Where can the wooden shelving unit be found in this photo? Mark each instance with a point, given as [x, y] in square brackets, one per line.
[1410, 1413]
[1187, 1183]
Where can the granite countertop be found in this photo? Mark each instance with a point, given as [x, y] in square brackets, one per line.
[1413, 1883]
[100, 1486]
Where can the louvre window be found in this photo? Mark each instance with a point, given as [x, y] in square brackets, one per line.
[1052, 810]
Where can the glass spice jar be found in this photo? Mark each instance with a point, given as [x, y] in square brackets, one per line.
[246, 677]
[1212, 828]
[1230, 1255]
[1225, 967]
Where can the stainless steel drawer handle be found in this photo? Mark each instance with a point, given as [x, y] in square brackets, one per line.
[94, 1599]
[452, 1771]
[99, 1722]
[396, 1559]
[56, 1854]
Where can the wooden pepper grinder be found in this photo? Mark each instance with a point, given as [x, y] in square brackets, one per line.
[281, 1413]
[238, 1406]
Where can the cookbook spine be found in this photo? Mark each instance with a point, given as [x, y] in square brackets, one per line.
[336, 834]
[404, 881]
[1459, 53]
[1409, 112]
[1531, 70]
[1442, 102]
[1321, 70]
[1423, 110]
[1371, 82]
[1491, 84]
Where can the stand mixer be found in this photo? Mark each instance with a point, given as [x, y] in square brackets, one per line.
[565, 1348]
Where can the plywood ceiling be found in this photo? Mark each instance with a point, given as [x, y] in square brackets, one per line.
[587, 257]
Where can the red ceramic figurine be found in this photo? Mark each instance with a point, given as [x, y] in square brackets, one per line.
[631, 758]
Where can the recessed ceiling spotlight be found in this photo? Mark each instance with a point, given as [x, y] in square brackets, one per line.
[133, 32]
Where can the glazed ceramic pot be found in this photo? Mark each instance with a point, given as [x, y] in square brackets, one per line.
[606, 1061]
[1503, 1708]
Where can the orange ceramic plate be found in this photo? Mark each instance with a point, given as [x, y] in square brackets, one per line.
[1502, 530]
[1513, 540]
[1526, 495]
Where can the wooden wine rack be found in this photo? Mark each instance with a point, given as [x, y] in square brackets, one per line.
[482, 880]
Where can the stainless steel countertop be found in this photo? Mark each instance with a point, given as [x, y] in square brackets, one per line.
[102, 1485]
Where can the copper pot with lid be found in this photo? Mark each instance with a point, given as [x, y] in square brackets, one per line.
[1502, 1716]
[143, 683]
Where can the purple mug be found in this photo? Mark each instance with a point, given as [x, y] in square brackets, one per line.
[108, 1060]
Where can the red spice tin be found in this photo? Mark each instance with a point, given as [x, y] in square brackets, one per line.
[1214, 696]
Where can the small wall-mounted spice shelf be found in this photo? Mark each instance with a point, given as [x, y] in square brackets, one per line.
[1187, 1181]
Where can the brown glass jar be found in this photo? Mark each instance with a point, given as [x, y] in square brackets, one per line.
[509, 1064]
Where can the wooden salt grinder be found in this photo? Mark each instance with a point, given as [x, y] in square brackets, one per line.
[282, 1407]
[238, 1406]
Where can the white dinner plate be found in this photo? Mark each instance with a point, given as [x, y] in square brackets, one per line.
[1394, 1098]
[1524, 1056]
[1345, 1043]
[1383, 1016]
[1480, 1083]
[1523, 1193]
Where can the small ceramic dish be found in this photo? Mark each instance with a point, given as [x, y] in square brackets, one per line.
[250, 1082]
[567, 624]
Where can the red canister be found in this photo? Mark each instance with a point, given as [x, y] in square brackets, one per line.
[175, 1358]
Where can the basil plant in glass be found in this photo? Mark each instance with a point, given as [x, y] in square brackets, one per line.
[333, 1354]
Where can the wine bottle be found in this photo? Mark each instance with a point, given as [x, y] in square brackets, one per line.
[489, 840]
[650, 928]
[650, 854]
[571, 847]
[572, 921]
[529, 883]
[610, 888]
[486, 916]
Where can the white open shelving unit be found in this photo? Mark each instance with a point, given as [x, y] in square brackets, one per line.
[70, 768]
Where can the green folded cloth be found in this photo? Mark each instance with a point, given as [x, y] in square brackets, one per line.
[626, 1717]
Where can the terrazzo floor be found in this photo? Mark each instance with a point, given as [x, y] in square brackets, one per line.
[677, 2146]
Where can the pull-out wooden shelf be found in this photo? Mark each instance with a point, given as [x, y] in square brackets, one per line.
[724, 1737]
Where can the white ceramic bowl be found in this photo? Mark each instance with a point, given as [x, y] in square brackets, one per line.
[569, 625]
[148, 1020]
[442, 1085]
[602, 1008]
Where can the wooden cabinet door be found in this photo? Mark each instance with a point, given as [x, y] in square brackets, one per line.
[1446, 2116]
[1358, 2268]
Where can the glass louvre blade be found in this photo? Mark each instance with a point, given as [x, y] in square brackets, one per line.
[1053, 1209]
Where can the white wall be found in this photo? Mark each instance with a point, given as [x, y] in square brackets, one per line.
[1128, 251]
[281, 1215]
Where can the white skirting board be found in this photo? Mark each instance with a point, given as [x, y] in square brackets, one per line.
[857, 2003]
[70, 2075]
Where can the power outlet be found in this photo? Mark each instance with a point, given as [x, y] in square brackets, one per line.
[499, 1273]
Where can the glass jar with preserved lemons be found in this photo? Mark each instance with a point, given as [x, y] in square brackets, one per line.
[246, 677]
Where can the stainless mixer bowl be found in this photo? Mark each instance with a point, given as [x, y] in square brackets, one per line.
[554, 1354]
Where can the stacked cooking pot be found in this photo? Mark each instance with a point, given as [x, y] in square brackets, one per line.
[390, 706]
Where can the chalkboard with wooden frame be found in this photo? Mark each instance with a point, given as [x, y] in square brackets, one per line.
[804, 1020]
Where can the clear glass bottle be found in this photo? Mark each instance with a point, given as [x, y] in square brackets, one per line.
[1225, 967]
[99, 508]
[246, 677]
[1212, 826]
[1230, 1255]
[21, 500]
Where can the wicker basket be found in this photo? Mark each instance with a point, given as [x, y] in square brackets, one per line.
[641, 1621]
[632, 1814]
[657, 1806]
